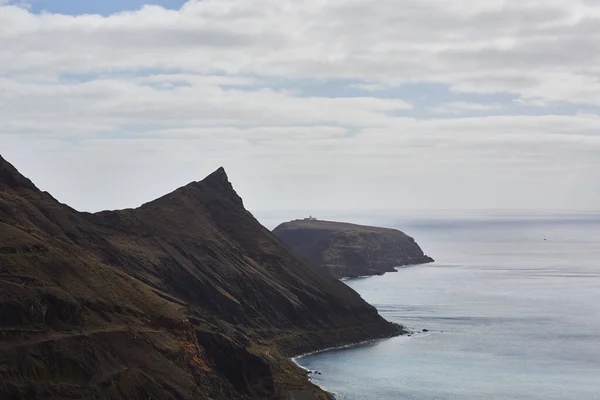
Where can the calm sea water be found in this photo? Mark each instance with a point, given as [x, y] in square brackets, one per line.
[510, 316]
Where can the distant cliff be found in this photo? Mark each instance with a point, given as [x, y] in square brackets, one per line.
[348, 250]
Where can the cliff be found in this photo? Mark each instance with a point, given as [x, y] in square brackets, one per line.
[349, 250]
[186, 297]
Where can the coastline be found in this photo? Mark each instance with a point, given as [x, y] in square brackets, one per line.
[394, 269]
[332, 395]
[403, 331]
[345, 346]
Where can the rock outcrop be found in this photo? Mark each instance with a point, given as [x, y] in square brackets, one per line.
[186, 297]
[349, 250]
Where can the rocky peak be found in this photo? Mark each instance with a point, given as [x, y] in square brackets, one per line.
[11, 178]
[218, 183]
[218, 179]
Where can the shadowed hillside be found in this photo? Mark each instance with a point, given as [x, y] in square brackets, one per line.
[185, 297]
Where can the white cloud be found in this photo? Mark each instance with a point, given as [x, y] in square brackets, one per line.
[201, 101]
[371, 87]
[19, 3]
[530, 102]
[113, 111]
[535, 49]
[460, 107]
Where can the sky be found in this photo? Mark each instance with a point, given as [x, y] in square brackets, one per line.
[353, 106]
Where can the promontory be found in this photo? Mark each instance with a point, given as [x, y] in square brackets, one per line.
[350, 250]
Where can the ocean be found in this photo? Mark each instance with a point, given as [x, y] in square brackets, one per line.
[511, 309]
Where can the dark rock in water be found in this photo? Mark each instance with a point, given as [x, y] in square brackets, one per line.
[186, 297]
[348, 250]
[425, 330]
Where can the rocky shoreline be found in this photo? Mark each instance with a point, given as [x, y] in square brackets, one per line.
[309, 373]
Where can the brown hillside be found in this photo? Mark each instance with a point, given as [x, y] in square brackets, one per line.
[185, 297]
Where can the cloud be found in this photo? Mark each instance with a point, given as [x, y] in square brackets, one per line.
[113, 111]
[371, 87]
[12, 2]
[535, 49]
[530, 102]
[460, 107]
[194, 101]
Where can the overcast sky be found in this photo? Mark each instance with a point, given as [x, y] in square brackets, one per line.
[347, 105]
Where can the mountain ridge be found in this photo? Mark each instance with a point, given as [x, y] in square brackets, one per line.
[187, 296]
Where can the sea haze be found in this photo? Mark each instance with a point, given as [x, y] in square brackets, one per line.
[512, 309]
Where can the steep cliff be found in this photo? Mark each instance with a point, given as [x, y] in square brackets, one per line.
[349, 250]
[185, 297]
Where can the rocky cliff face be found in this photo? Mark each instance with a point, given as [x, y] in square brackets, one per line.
[185, 297]
[348, 250]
